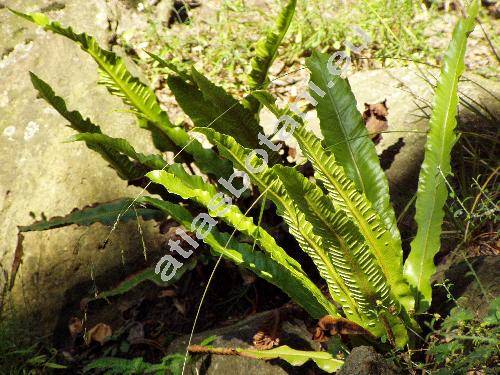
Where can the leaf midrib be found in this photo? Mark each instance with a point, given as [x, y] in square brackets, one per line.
[351, 152]
[352, 208]
[441, 157]
[342, 285]
[288, 210]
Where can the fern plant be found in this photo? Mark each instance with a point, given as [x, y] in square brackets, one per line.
[171, 364]
[343, 220]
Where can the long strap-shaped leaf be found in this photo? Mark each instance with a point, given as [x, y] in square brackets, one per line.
[355, 204]
[301, 289]
[145, 163]
[324, 360]
[123, 166]
[344, 244]
[76, 120]
[265, 53]
[347, 198]
[164, 64]
[303, 230]
[104, 213]
[118, 79]
[345, 135]
[115, 151]
[147, 274]
[209, 105]
[122, 146]
[141, 99]
[432, 192]
[351, 257]
[193, 187]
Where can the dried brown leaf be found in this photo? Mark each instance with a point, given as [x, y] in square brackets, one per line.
[375, 117]
[329, 326]
[268, 334]
[99, 333]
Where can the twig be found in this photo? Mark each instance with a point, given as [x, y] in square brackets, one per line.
[198, 349]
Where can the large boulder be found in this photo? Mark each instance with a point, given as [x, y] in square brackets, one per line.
[43, 175]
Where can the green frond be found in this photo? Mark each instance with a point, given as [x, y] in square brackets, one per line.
[209, 105]
[350, 256]
[147, 274]
[122, 146]
[346, 137]
[185, 75]
[266, 50]
[348, 199]
[75, 119]
[123, 166]
[113, 72]
[143, 163]
[345, 246]
[301, 289]
[345, 197]
[107, 213]
[193, 187]
[104, 213]
[324, 360]
[432, 191]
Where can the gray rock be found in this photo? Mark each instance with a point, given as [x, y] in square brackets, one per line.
[41, 174]
[364, 360]
[240, 335]
[409, 97]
